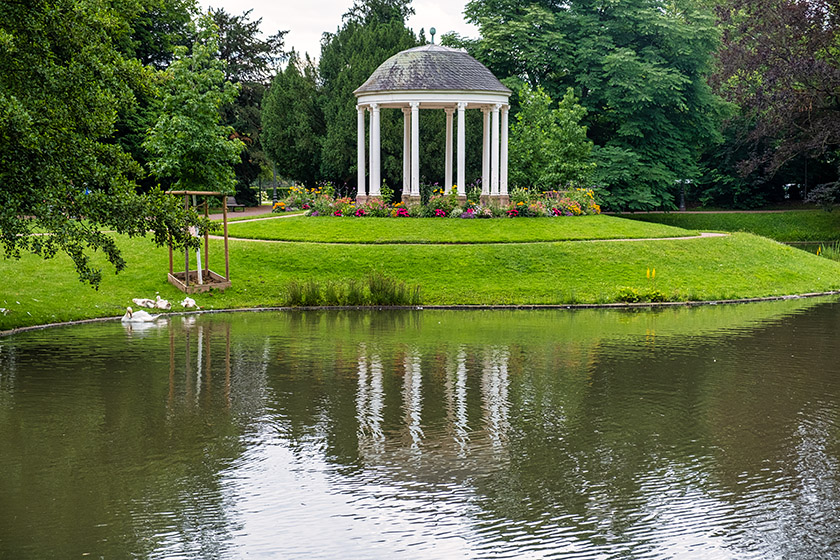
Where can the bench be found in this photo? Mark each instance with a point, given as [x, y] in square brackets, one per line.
[231, 203]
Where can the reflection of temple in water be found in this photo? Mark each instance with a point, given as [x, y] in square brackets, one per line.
[451, 403]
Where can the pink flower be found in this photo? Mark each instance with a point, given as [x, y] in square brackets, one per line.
[440, 213]
[337, 213]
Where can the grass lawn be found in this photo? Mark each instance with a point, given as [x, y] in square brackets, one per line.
[449, 230]
[558, 272]
[796, 225]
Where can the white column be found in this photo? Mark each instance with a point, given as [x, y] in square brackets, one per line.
[415, 148]
[494, 158]
[503, 178]
[485, 154]
[375, 181]
[360, 151]
[462, 151]
[447, 183]
[406, 151]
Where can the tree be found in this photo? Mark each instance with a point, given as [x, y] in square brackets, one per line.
[250, 61]
[639, 67]
[293, 125]
[187, 145]
[548, 147]
[62, 81]
[780, 62]
[153, 29]
[372, 31]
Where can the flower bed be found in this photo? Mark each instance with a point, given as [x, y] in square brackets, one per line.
[524, 203]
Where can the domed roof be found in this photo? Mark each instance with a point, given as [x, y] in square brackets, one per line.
[432, 68]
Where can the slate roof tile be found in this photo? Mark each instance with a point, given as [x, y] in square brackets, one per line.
[432, 67]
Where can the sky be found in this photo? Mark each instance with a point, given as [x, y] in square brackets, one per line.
[306, 20]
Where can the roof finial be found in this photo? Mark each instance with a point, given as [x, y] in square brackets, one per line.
[433, 31]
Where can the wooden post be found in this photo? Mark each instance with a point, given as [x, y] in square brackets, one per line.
[207, 240]
[227, 260]
[186, 249]
[170, 254]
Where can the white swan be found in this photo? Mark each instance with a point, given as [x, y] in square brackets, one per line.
[162, 303]
[144, 302]
[189, 303]
[137, 316]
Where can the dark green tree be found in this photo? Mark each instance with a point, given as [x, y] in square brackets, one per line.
[639, 67]
[372, 31]
[62, 82]
[250, 62]
[188, 146]
[154, 29]
[548, 147]
[293, 125]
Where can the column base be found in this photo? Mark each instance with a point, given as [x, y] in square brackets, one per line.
[502, 199]
[411, 200]
[361, 199]
[485, 199]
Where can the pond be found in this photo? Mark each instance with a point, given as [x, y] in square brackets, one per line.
[708, 432]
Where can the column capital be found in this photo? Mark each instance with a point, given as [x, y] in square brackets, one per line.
[496, 107]
[414, 104]
[462, 105]
[406, 110]
[449, 110]
[374, 106]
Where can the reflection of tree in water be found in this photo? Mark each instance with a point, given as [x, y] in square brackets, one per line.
[127, 458]
[603, 432]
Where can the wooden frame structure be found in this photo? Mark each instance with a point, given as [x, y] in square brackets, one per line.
[200, 281]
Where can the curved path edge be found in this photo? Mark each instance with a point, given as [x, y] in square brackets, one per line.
[703, 235]
[570, 306]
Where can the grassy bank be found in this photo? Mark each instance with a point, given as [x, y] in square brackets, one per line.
[787, 227]
[37, 292]
[449, 230]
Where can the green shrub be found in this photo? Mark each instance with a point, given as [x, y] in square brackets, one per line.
[633, 295]
[830, 251]
[386, 193]
[381, 290]
[312, 293]
[333, 294]
[355, 293]
[294, 294]
[628, 295]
